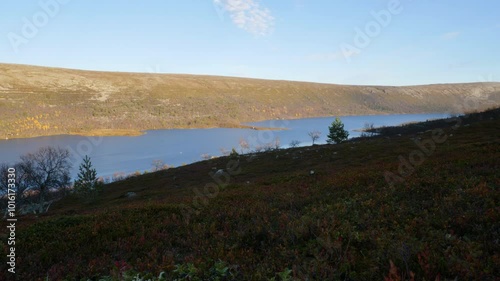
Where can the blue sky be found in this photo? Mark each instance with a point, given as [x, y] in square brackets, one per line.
[383, 42]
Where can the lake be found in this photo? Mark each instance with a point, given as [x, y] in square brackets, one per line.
[177, 147]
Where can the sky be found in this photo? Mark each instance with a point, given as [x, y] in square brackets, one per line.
[377, 42]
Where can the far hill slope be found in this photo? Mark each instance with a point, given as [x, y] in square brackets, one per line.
[46, 101]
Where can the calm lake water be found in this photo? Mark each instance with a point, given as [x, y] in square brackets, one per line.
[177, 147]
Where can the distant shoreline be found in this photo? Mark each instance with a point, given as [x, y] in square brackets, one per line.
[55, 101]
[137, 133]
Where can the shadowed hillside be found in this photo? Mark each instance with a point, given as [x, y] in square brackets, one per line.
[325, 212]
[38, 101]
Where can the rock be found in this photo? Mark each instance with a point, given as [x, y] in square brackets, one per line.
[130, 194]
[311, 172]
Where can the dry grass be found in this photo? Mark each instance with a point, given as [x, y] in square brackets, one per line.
[37, 101]
[110, 132]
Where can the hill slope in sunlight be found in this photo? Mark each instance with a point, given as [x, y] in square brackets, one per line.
[39, 101]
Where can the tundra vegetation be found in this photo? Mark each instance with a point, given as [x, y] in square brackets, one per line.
[337, 133]
[87, 184]
[41, 177]
[39, 101]
[276, 219]
[314, 135]
[294, 143]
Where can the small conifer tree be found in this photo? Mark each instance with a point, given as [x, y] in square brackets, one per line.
[87, 184]
[337, 133]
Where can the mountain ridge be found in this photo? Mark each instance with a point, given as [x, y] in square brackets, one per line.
[236, 77]
[40, 101]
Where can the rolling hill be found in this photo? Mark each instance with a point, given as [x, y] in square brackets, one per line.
[273, 217]
[37, 101]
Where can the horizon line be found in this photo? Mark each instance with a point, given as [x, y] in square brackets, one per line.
[240, 77]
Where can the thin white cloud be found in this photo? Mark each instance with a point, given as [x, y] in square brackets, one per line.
[248, 15]
[450, 35]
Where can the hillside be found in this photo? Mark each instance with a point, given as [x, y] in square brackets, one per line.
[37, 101]
[315, 213]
